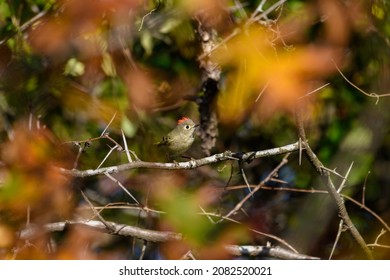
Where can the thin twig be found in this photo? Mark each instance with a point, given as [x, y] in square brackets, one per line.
[364, 189]
[379, 245]
[274, 237]
[267, 12]
[250, 194]
[76, 161]
[314, 91]
[224, 41]
[108, 154]
[241, 165]
[333, 171]
[368, 210]
[238, 6]
[372, 94]
[117, 145]
[122, 186]
[105, 129]
[342, 185]
[141, 257]
[337, 238]
[300, 151]
[259, 8]
[263, 187]
[379, 235]
[126, 148]
[207, 214]
[262, 91]
[188, 256]
[26, 25]
[208, 217]
[106, 224]
[376, 244]
[148, 14]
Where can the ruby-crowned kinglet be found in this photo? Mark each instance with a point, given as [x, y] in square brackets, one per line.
[180, 139]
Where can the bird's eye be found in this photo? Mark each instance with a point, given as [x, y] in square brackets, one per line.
[187, 127]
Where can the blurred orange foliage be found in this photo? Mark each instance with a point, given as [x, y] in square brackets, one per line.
[75, 23]
[31, 178]
[256, 65]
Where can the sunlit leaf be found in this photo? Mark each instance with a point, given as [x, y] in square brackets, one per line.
[255, 65]
[74, 67]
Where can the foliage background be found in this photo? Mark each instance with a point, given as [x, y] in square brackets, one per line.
[68, 72]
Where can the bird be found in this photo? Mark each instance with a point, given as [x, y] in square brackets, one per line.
[180, 139]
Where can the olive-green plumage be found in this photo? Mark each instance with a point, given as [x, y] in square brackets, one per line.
[180, 139]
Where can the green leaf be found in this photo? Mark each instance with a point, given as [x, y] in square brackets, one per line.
[108, 66]
[128, 127]
[147, 42]
[74, 68]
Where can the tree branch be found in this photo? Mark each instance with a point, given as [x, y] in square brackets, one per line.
[258, 187]
[211, 75]
[268, 252]
[119, 229]
[192, 164]
[162, 236]
[325, 176]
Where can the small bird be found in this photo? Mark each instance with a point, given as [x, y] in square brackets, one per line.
[180, 139]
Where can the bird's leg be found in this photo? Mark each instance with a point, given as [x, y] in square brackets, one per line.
[187, 157]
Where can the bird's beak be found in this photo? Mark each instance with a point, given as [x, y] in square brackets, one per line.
[198, 124]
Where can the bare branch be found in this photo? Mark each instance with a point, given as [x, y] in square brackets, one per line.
[380, 235]
[80, 150]
[315, 191]
[372, 94]
[264, 15]
[250, 194]
[188, 256]
[325, 176]
[108, 154]
[274, 237]
[262, 91]
[333, 171]
[379, 245]
[337, 238]
[106, 224]
[161, 236]
[104, 131]
[26, 25]
[265, 251]
[117, 145]
[192, 164]
[241, 166]
[143, 250]
[342, 185]
[126, 147]
[376, 244]
[314, 91]
[208, 216]
[121, 186]
[119, 229]
[148, 14]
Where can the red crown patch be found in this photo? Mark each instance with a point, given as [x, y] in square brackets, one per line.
[183, 119]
